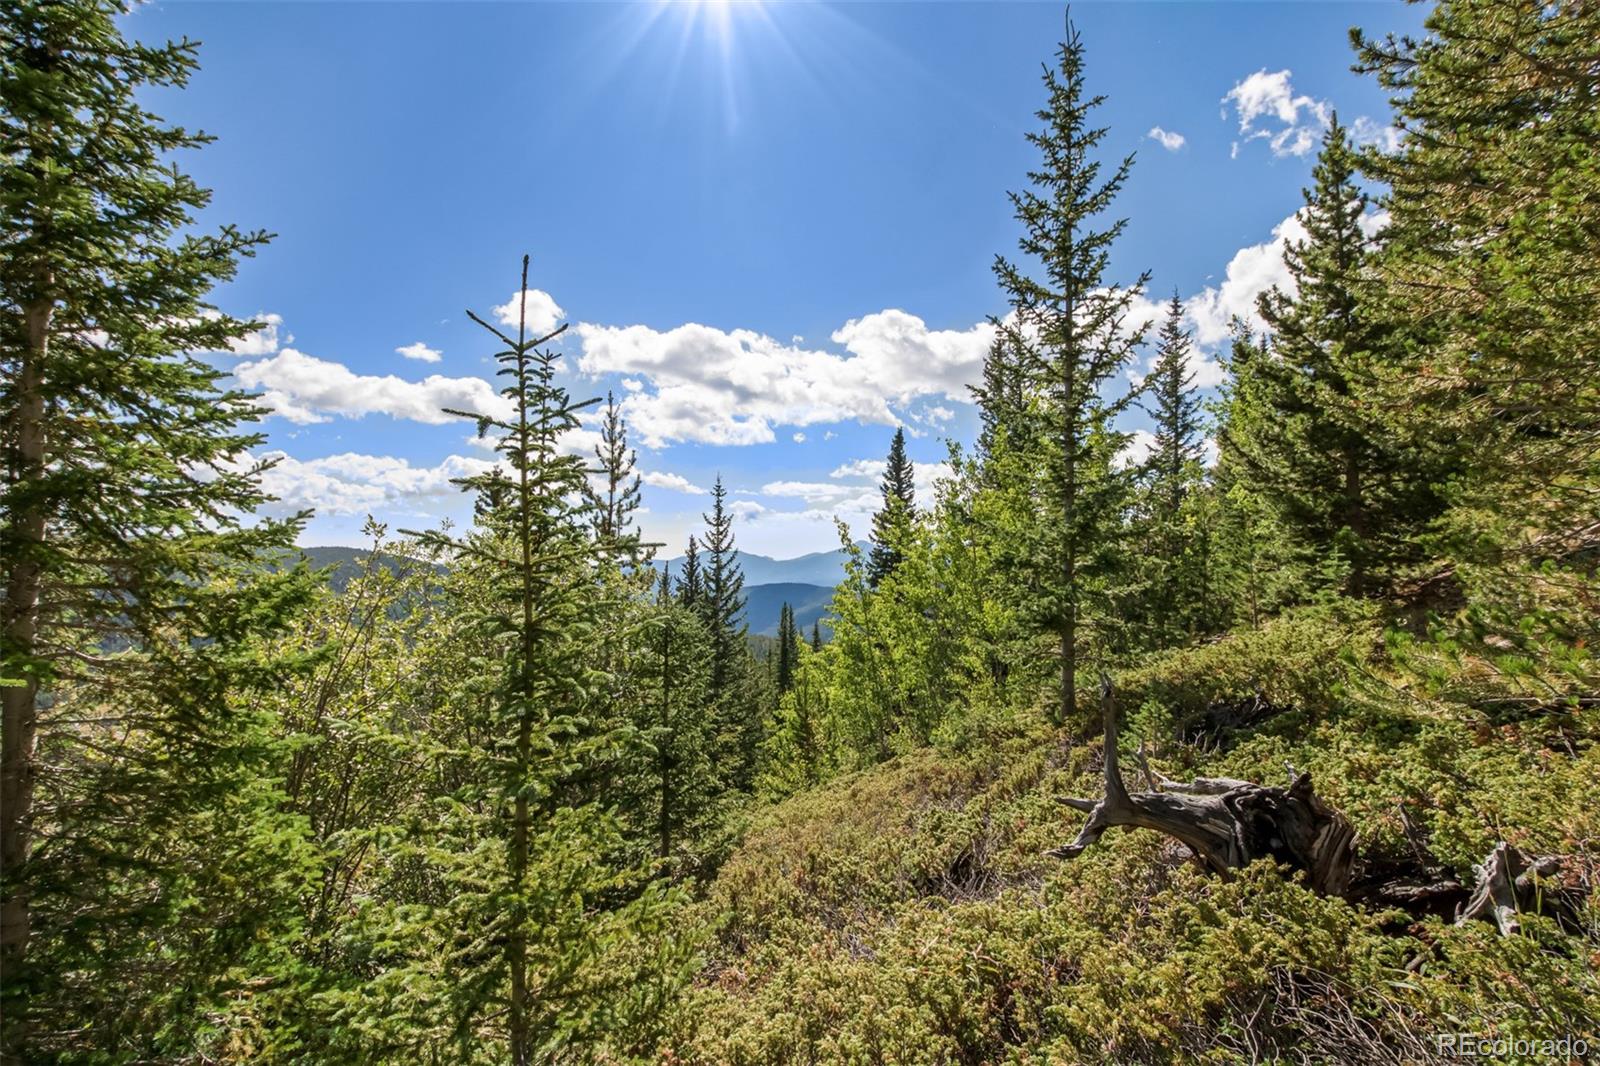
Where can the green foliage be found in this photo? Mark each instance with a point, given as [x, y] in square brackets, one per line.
[1065, 336]
[899, 504]
[142, 844]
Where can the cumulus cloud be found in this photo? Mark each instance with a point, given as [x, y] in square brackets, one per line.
[1252, 271]
[799, 438]
[1268, 109]
[305, 389]
[1369, 131]
[349, 483]
[420, 352]
[873, 468]
[675, 482]
[717, 386]
[1167, 139]
[544, 314]
[1139, 448]
[263, 341]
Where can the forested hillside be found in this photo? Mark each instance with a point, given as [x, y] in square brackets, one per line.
[1096, 756]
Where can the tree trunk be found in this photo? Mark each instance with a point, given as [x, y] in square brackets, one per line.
[20, 708]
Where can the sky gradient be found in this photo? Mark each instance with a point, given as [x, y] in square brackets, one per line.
[771, 226]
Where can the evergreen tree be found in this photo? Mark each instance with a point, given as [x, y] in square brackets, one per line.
[889, 525]
[1172, 473]
[691, 583]
[532, 902]
[135, 601]
[735, 682]
[670, 794]
[1353, 499]
[787, 654]
[1002, 397]
[616, 503]
[1489, 260]
[816, 635]
[723, 592]
[1069, 329]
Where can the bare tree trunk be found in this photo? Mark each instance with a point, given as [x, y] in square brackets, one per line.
[20, 708]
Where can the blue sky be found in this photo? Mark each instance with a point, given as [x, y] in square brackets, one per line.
[770, 225]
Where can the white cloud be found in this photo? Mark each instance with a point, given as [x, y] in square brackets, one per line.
[812, 492]
[872, 468]
[1369, 131]
[1167, 139]
[544, 314]
[1252, 270]
[349, 483]
[1270, 97]
[305, 389]
[746, 509]
[718, 386]
[1137, 450]
[675, 482]
[420, 352]
[799, 438]
[263, 341]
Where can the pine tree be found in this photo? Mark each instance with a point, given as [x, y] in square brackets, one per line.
[1171, 474]
[691, 583]
[735, 682]
[536, 560]
[816, 635]
[1488, 261]
[1002, 397]
[1069, 329]
[724, 591]
[615, 504]
[787, 654]
[135, 600]
[899, 505]
[1351, 497]
[673, 787]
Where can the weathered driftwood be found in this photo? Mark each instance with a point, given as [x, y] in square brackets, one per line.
[1509, 884]
[1226, 823]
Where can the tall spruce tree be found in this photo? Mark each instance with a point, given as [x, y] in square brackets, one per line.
[135, 598]
[1070, 332]
[736, 699]
[691, 582]
[1172, 473]
[890, 523]
[1353, 499]
[787, 653]
[531, 900]
[617, 501]
[724, 592]
[1489, 260]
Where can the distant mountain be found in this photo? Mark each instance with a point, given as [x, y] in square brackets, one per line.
[348, 563]
[764, 603]
[817, 568]
[764, 600]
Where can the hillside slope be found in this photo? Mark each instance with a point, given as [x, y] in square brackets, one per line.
[906, 914]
